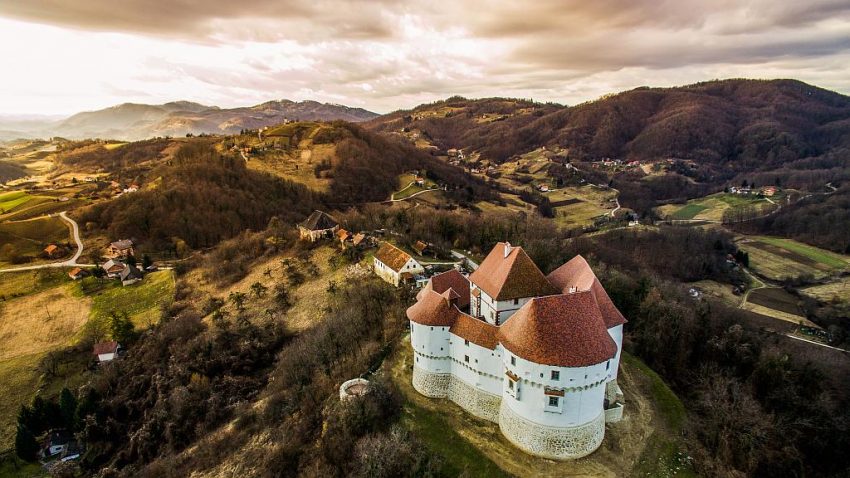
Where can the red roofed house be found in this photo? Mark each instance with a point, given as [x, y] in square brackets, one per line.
[536, 354]
[51, 249]
[394, 265]
[106, 351]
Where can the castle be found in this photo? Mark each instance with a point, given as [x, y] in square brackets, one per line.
[536, 354]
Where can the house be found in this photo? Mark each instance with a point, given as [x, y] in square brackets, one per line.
[420, 247]
[318, 226]
[122, 249]
[544, 188]
[106, 351]
[420, 181]
[343, 236]
[57, 441]
[768, 190]
[358, 239]
[77, 273]
[537, 354]
[130, 275]
[51, 249]
[394, 265]
[113, 268]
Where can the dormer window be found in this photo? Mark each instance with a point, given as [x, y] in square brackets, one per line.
[556, 375]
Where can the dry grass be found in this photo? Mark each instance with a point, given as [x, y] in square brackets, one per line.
[20, 379]
[777, 258]
[838, 291]
[41, 322]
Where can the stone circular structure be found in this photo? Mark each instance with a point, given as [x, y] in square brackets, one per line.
[356, 387]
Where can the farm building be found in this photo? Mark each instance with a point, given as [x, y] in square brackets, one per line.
[113, 268]
[420, 247]
[77, 273]
[318, 226]
[51, 249]
[120, 249]
[343, 236]
[130, 275]
[395, 266]
[536, 354]
[106, 351]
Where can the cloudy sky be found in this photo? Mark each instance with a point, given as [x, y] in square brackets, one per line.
[64, 56]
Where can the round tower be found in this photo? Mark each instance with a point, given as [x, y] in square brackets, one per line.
[430, 319]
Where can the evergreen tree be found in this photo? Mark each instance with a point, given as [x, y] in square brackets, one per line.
[123, 330]
[146, 261]
[26, 446]
[68, 405]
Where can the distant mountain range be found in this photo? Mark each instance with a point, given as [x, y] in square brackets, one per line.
[130, 121]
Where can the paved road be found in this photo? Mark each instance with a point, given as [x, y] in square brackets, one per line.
[72, 262]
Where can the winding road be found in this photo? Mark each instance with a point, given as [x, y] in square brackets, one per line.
[72, 262]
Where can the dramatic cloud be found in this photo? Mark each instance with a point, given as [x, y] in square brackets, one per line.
[67, 55]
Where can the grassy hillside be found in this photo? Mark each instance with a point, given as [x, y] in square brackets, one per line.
[24, 241]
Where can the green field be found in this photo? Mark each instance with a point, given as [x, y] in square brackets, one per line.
[27, 239]
[16, 200]
[20, 378]
[15, 284]
[689, 211]
[711, 207]
[142, 301]
[778, 258]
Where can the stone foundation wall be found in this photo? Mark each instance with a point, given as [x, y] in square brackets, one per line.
[444, 385]
[430, 384]
[551, 442]
[477, 402]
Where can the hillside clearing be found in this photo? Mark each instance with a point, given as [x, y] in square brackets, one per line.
[778, 258]
[142, 301]
[838, 291]
[26, 239]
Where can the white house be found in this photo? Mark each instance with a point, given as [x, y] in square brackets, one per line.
[536, 354]
[106, 351]
[394, 265]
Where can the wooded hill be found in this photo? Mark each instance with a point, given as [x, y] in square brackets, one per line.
[747, 124]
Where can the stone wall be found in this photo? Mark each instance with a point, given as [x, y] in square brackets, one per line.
[549, 442]
[444, 385]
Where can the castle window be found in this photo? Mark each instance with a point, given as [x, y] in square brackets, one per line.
[553, 401]
[513, 360]
[556, 375]
[516, 301]
[607, 365]
[466, 358]
[510, 384]
[466, 342]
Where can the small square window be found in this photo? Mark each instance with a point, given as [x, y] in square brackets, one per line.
[553, 401]
[513, 360]
[466, 358]
[556, 375]
[516, 301]
[466, 342]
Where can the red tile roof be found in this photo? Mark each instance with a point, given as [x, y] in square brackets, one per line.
[392, 256]
[577, 273]
[433, 309]
[564, 330]
[451, 280]
[476, 331]
[419, 247]
[512, 277]
[105, 348]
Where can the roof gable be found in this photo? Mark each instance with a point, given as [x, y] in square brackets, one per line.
[510, 276]
[453, 280]
[319, 221]
[392, 256]
[576, 275]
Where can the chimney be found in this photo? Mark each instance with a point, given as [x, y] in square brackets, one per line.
[508, 249]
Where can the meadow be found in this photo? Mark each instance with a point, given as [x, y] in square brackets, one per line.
[25, 240]
[709, 208]
[777, 258]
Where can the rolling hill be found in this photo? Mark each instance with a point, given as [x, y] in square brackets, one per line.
[131, 121]
[742, 123]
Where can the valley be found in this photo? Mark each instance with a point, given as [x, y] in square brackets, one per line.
[236, 328]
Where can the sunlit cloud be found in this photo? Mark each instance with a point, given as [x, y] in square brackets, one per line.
[63, 57]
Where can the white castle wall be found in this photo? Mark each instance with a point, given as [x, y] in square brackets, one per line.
[503, 309]
[584, 391]
[616, 334]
